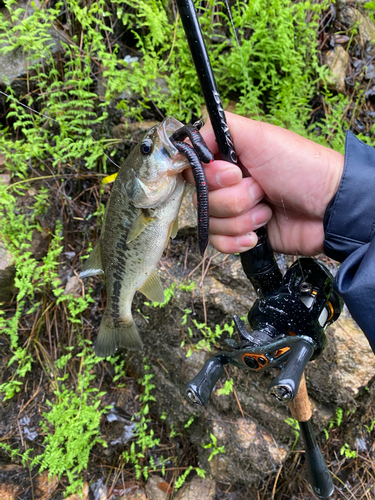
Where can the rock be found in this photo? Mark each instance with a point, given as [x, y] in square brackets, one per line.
[198, 488]
[73, 286]
[7, 275]
[341, 39]
[135, 495]
[85, 494]
[45, 485]
[6, 258]
[99, 489]
[247, 446]
[40, 244]
[346, 366]
[8, 492]
[349, 16]
[15, 64]
[7, 287]
[124, 130]
[337, 61]
[187, 216]
[5, 178]
[155, 488]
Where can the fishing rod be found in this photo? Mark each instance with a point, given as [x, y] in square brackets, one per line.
[289, 318]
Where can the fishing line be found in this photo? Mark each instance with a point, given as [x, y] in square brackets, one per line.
[243, 61]
[246, 74]
[54, 120]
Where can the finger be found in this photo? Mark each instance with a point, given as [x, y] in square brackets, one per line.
[243, 224]
[234, 244]
[218, 174]
[235, 200]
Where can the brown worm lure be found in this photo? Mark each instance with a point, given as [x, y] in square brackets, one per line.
[196, 154]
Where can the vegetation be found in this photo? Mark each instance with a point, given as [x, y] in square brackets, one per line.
[214, 447]
[56, 140]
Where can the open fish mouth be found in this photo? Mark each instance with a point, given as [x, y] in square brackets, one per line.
[165, 131]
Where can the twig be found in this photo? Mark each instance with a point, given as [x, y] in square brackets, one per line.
[195, 268]
[235, 395]
[204, 307]
[205, 271]
[275, 483]
[166, 270]
[32, 397]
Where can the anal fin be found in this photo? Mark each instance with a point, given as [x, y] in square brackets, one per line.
[93, 265]
[153, 288]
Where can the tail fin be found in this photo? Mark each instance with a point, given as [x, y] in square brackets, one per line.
[111, 337]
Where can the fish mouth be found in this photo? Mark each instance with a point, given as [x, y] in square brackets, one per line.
[165, 130]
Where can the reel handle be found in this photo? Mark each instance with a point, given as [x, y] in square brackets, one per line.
[200, 388]
[319, 475]
[285, 386]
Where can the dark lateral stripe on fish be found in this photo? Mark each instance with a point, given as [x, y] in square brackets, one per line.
[121, 248]
[202, 192]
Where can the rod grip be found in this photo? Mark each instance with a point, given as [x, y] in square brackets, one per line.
[300, 407]
[260, 266]
[319, 475]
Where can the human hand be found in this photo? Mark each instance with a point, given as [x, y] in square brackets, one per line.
[296, 177]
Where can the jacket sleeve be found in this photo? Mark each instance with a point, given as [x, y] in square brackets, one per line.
[349, 226]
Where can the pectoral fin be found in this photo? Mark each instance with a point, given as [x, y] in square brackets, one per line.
[153, 288]
[93, 265]
[139, 225]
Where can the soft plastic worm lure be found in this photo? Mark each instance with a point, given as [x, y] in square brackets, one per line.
[196, 155]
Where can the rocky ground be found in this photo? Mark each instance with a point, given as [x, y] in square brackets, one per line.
[263, 460]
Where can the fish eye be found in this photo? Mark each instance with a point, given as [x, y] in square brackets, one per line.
[146, 147]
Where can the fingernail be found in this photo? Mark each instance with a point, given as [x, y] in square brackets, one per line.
[246, 241]
[261, 217]
[256, 192]
[228, 177]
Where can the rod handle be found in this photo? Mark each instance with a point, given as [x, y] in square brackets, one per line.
[300, 406]
[319, 475]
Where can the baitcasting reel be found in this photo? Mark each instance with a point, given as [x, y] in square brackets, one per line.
[288, 321]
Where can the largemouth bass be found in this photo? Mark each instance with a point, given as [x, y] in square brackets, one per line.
[141, 216]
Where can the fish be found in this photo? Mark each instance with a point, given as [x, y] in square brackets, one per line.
[140, 217]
